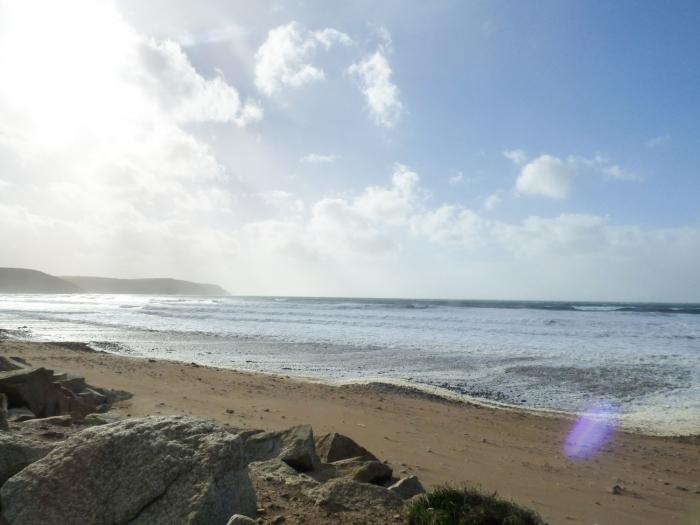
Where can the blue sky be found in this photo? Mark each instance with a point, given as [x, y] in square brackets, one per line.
[433, 149]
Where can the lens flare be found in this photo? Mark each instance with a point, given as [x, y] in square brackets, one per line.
[590, 433]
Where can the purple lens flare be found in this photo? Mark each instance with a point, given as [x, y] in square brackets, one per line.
[590, 433]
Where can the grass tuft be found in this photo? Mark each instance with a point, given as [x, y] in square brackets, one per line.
[468, 506]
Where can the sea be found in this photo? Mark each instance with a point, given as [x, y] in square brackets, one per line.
[640, 361]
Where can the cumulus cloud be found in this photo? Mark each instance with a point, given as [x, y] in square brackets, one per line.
[100, 158]
[184, 94]
[449, 224]
[516, 156]
[284, 59]
[373, 74]
[547, 176]
[318, 158]
[492, 201]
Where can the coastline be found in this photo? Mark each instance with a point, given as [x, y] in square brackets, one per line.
[517, 453]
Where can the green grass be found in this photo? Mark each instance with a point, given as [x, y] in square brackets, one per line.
[468, 506]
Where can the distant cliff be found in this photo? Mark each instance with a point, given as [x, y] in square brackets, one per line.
[143, 286]
[21, 280]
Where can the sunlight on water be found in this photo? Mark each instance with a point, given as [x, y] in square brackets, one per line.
[590, 433]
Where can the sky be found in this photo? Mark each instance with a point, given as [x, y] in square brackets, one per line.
[448, 149]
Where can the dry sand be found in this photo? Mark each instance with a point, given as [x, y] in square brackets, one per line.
[517, 454]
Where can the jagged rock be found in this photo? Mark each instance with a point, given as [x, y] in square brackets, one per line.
[347, 495]
[3, 413]
[35, 389]
[16, 453]
[335, 447]
[238, 519]
[19, 415]
[363, 471]
[295, 446]
[12, 363]
[277, 470]
[408, 487]
[153, 470]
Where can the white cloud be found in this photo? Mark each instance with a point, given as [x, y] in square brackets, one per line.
[449, 224]
[516, 156]
[492, 201]
[604, 166]
[660, 140]
[547, 176]
[373, 74]
[564, 234]
[318, 158]
[184, 94]
[283, 60]
[393, 204]
[100, 159]
[456, 179]
[283, 202]
[616, 172]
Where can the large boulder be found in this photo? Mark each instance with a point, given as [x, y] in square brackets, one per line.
[16, 453]
[343, 494]
[408, 487]
[363, 471]
[153, 470]
[335, 447]
[295, 446]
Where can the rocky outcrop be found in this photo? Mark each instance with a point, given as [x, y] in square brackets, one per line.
[154, 470]
[408, 487]
[335, 447]
[46, 393]
[347, 495]
[16, 453]
[294, 446]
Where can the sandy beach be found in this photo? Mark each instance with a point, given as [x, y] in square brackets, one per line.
[519, 455]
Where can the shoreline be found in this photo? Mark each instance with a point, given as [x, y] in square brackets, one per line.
[422, 389]
[516, 453]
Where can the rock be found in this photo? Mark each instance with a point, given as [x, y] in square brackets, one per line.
[408, 487]
[59, 421]
[4, 425]
[294, 446]
[335, 447]
[12, 363]
[277, 470]
[101, 419]
[19, 415]
[238, 519]
[34, 388]
[347, 495]
[153, 470]
[617, 490]
[363, 471]
[16, 453]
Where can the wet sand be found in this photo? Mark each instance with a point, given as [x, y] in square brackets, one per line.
[517, 454]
